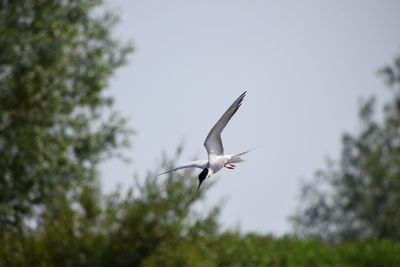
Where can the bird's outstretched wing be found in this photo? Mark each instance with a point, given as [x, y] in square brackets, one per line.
[193, 164]
[213, 142]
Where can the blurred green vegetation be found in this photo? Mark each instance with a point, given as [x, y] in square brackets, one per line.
[358, 196]
[155, 224]
[57, 125]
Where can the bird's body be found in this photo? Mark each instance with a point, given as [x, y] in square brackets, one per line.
[213, 144]
[217, 162]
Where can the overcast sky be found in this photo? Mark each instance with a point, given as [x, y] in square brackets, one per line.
[305, 65]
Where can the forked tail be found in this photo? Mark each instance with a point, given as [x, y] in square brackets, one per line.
[237, 157]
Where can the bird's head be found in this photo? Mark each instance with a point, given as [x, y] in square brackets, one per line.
[202, 176]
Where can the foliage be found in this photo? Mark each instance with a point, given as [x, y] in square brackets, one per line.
[55, 60]
[154, 218]
[258, 250]
[156, 223]
[144, 227]
[360, 196]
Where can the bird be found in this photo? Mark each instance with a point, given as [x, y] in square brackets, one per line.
[215, 150]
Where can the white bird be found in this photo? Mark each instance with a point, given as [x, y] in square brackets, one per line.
[213, 144]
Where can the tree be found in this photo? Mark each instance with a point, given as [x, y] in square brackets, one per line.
[55, 60]
[360, 195]
[153, 224]
[156, 223]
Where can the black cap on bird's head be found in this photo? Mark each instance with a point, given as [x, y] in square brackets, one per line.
[202, 177]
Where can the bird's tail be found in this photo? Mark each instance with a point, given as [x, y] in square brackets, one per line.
[237, 157]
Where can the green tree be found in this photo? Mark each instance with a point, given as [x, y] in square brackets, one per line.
[153, 224]
[156, 223]
[359, 196]
[56, 58]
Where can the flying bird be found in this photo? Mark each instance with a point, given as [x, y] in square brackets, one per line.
[215, 150]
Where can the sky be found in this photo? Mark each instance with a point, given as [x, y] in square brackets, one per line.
[305, 66]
